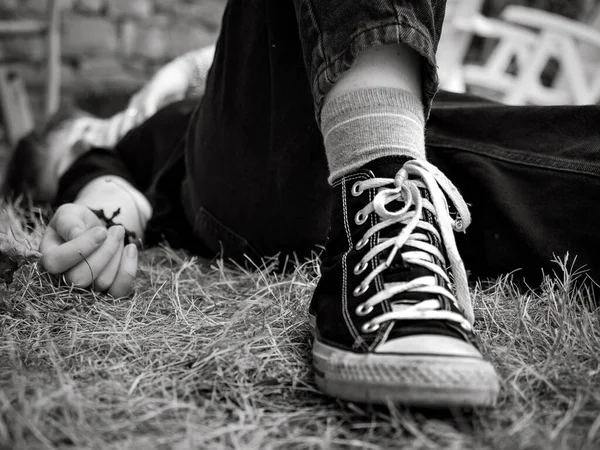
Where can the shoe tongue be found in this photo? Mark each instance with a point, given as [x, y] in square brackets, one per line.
[387, 166]
[399, 271]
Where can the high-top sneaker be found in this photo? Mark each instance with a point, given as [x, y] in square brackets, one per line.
[391, 313]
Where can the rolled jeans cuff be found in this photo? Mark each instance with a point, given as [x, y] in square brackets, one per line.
[333, 36]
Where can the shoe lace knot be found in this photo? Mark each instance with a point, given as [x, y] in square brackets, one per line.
[414, 243]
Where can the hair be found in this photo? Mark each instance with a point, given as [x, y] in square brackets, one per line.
[23, 168]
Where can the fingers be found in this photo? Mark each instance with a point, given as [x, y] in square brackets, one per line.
[73, 233]
[123, 282]
[87, 269]
[70, 220]
[87, 254]
[59, 256]
[67, 223]
[105, 279]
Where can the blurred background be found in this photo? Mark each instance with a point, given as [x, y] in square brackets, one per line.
[109, 47]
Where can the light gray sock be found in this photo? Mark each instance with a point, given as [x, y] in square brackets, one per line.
[366, 124]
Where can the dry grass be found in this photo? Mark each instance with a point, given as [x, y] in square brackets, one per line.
[210, 356]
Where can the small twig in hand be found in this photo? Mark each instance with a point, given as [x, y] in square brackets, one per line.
[88, 264]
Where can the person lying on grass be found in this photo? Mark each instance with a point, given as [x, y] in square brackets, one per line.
[42, 157]
[311, 134]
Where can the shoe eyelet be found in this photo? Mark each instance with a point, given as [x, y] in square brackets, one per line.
[356, 190]
[360, 289]
[360, 268]
[369, 327]
[360, 244]
[362, 310]
[360, 218]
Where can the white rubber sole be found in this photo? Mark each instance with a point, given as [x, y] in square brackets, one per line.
[416, 380]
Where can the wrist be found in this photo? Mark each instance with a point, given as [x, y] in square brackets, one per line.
[116, 201]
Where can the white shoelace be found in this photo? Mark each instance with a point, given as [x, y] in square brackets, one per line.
[422, 253]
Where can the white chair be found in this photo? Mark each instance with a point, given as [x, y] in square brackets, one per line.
[527, 40]
[455, 42]
[562, 40]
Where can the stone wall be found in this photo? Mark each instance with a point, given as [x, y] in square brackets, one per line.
[110, 47]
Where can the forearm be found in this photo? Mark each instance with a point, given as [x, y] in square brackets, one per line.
[115, 196]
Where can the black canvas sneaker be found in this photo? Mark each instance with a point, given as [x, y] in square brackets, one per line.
[390, 322]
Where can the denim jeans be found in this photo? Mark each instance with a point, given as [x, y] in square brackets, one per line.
[274, 63]
[243, 172]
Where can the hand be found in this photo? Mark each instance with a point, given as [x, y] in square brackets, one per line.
[79, 247]
[169, 84]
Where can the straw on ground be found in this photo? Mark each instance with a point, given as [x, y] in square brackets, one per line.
[211, 356]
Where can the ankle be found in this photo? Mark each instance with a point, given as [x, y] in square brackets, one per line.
[382, 66]
[364, 125]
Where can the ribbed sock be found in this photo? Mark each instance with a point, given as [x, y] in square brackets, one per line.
[366, 124]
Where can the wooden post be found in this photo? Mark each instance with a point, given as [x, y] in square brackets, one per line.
[54, 59]
[14, 102]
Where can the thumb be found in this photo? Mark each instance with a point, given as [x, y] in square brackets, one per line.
[69, 226]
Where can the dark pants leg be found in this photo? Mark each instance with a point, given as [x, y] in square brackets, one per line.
[256, 171]
[256, 181]
[532, 177]
[530, 174]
